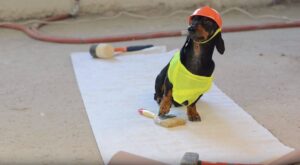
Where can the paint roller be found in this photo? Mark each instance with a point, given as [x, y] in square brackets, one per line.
[107, 50]
[167, 121]
[192, 158]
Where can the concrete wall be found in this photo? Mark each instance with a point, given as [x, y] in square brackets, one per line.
[25, 9]
[30, 9]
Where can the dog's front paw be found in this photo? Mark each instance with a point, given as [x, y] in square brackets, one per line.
[192, 113]
[165, 104]
[164, 109]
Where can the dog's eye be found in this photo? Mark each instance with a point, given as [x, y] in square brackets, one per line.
[206, 22]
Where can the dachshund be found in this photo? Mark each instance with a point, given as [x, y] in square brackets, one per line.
[194, 58]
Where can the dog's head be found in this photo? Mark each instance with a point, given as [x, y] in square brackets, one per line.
[204, 29]
[201, 28]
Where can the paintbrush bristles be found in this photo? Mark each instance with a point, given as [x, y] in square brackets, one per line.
[170, 122]
[167, 121]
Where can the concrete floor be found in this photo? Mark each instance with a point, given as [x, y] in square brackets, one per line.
[43, 119]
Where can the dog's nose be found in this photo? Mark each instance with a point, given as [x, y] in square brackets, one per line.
[191, 29]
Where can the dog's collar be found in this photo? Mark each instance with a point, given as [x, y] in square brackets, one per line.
[206, 41]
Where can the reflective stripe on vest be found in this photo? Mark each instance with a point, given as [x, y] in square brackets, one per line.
[186, 85]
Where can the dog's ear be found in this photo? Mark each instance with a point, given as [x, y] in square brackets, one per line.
[220, 44]
[186, 44]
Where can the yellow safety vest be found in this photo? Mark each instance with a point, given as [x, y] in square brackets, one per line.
[186, 85]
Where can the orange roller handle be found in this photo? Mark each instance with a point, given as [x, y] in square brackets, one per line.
[120, 49]
[132, 48]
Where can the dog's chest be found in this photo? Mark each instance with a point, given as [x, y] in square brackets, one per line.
[194, 62]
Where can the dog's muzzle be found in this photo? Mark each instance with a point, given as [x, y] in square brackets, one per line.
[209, 39]
[192, 29]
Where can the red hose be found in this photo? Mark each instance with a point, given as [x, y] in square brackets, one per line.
[278, 25]
[34, 33]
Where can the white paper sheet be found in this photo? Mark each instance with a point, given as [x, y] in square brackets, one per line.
[113, 90]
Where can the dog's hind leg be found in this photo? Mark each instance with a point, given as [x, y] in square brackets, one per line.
[159, 84]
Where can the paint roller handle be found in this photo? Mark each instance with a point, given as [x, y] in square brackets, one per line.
[132, 48]
[146, 113]
[192, 158]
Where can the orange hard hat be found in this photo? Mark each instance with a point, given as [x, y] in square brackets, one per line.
[209, 12]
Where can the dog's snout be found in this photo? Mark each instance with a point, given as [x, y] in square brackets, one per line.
[191, 29]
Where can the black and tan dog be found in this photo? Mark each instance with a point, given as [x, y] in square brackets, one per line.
[189, 74]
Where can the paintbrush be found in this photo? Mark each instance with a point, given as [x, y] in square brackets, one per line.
[167, 121]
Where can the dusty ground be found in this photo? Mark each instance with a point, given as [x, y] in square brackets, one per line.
[43, 120]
